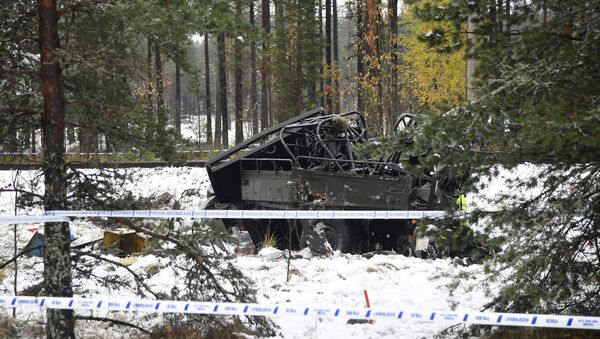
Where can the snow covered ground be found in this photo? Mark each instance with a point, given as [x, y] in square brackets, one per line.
[392, 281]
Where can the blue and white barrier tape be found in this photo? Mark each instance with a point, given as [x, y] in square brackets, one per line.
[32, 219]
[254, 214]
[59, 216]
[106, 153]
[105, 304]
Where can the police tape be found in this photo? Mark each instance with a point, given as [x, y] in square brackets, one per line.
[106, 153]
[61, 216]
[31, 219]
[115, 304]
[254, 214]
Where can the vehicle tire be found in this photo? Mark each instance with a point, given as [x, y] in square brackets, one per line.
[338, 234]
[405, 246]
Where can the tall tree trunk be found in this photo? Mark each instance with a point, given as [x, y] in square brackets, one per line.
[360, 66]
[321, 69]
[500, 15]
[223, 90]
[282, 75]
[253, 89]
[160, 89]
[178, 98]
[209, 134]
[33, 145]
[239, 123]
[299, 74]
[57, 249]
[149, 86]
[507, 17]
[393, 97]
[150, 115]
[265, 65]
[374, 108]
[336, 59]
[328, 98]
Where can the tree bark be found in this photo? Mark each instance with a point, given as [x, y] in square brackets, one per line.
[393, 97]
[507, 17]
[253, 89]
[321, 70]
[336, 60]
[239, 124]
[265, 71]
[360, 67]
[328, 98]
[57, 258]
[374, 108]
[299, 75]
[209, 134]
[160, 89]
[223, 90]
[149, 86]
[178, 98]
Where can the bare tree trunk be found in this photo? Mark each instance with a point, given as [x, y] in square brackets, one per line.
[265, 65]
[239, 123]
[253, 89]
[328, 99]
[507, 17]
[393, 19]
[299, 74]
[374, 107]
[57, 256]
[149, 86]
[160, 89]
[321, 70]
[178, 98]
[209, 135]
[223, 90]
[360, 67]
[336, 59]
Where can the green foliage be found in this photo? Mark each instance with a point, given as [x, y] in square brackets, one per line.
[537, 102]
[297, 41]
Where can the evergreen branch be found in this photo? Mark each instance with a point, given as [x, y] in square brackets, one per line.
[3, 190]
[198, 258]
[20, 111]
[113, 321]
[20, 254]
[137, 278]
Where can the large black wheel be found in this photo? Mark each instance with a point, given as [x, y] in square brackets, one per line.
[338, 234]
[405, 245]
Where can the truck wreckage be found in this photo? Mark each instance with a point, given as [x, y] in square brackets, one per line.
[310, 163]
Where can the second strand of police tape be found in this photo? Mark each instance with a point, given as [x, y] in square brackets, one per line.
[217, 308]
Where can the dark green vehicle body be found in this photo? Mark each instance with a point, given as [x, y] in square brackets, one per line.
[309, 163]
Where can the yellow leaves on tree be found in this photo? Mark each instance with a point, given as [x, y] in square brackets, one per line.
[432, 79]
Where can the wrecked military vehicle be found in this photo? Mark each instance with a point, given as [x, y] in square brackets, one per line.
[310, 163]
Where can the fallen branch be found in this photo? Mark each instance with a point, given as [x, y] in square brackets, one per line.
[113, 321]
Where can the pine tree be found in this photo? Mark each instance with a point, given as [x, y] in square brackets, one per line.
[265, 68]
[239, 127]
[222, 90]
[254, 113]
[57, 250]
[209, 110]
[537, 101]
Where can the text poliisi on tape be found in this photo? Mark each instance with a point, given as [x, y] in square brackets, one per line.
[104, 303]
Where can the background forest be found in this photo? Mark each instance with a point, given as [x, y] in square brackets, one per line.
[135, 69]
